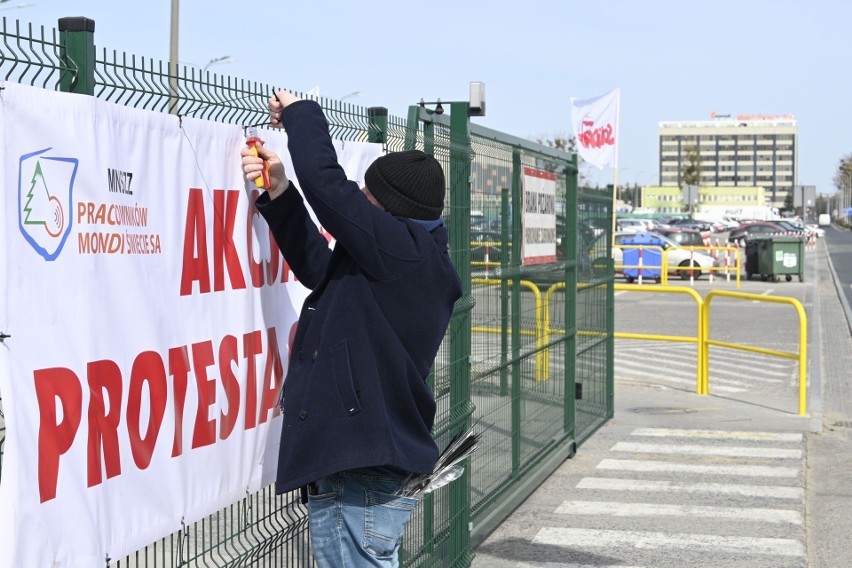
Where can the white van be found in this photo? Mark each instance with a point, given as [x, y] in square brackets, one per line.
[824, 219]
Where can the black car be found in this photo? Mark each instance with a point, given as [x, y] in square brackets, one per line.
[687, 223]
[754, 229]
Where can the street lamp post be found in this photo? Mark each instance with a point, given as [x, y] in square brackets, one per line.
[637, 188]
[846, 200]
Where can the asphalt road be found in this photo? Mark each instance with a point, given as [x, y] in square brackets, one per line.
[839, 245]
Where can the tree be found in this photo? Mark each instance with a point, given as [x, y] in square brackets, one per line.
[692, 167]
[788, 202]
[843, 175]
[562, 141]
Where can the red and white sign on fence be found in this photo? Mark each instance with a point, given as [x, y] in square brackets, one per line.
[595, 122]
[539, 220]
[149, 312]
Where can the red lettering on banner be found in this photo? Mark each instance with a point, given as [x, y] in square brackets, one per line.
[147, 368]
[195, 268]
[196, 263]
[252, 346]
[204, 433]
[274, 261]
[55, 438]
[224, 252]
[273, 377]
[230, 384]
[103, 426]
[179, 370]
[596, 137]
[255, 267]
[148, 372]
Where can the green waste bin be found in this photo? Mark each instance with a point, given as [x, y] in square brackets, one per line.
[776, 256]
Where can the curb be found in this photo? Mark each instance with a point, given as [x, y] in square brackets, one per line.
[839, 287]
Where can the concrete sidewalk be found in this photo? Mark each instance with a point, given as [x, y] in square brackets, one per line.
[676, 479]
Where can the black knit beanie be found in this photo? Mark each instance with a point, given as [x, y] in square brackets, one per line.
[408, 184]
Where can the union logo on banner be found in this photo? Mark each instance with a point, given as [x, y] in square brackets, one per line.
[595, 122]
[45, 188]
[595, 136]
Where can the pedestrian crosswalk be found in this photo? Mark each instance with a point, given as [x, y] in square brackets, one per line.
[685, 497]
[675, 366]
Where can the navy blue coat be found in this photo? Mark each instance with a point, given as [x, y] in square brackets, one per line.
[355, 394]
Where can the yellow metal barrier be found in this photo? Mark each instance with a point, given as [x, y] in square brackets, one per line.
[663, 279]
[802, 355]
[539, 325]
[664, 274]
[736, 268]
[700, 379]
[546, 328]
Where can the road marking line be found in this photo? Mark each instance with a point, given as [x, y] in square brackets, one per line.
[735, 367]
[634, 366]
[668, 467]
[765, 293]
[734, 370]
[674, 380]
[591, 538]
[570, 565]
[614, 484]
[728, 451]
[741, 435]
[615, 509]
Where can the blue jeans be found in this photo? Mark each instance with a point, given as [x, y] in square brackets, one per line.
[356, 520]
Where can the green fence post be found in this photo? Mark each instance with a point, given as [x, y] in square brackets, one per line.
[77, 36]
[570, 245]
[517, 209]
[505, 221]
[610, 319]
[378, 130]
[460, 341]
[411, 126]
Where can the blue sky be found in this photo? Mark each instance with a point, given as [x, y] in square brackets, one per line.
[673, 60]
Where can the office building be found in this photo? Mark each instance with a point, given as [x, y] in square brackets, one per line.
[746, 151]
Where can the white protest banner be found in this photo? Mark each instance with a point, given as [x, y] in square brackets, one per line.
[539, 244]
[595, 122]
[149, 312]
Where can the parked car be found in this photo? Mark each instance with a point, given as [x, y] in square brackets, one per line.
[684, 237]
[688, 223]
[754, 229]
[817, 230]
[679, 257]
[790, 226]
[633, 225]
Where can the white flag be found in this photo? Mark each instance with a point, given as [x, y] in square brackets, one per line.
[595, 123]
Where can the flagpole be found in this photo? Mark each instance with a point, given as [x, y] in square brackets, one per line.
[614, 197]
[615, 168]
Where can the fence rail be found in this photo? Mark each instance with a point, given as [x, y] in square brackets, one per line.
[521, 380]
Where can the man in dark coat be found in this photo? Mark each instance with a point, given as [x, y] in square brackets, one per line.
[357, 410]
